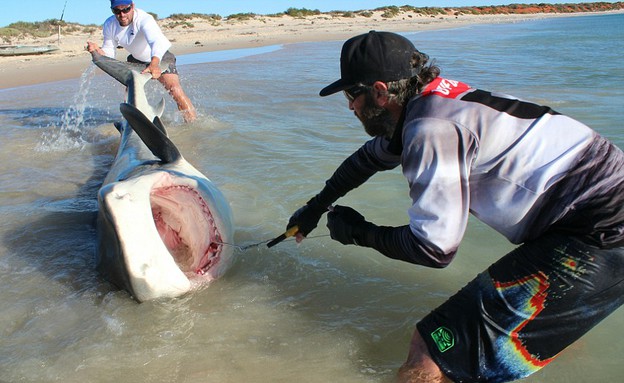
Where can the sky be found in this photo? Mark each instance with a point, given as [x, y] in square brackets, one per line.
[96, 11]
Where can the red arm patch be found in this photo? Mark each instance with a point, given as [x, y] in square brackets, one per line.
[445, 88]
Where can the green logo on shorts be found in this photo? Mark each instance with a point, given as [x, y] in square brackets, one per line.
[443, 338]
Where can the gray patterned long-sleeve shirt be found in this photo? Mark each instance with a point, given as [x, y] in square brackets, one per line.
[521, 168]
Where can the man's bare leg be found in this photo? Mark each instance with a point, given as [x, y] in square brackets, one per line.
[173, 86]
[419, 367]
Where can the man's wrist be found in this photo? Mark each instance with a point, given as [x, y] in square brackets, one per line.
[364, 234]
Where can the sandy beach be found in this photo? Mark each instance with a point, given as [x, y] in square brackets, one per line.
[72, 59]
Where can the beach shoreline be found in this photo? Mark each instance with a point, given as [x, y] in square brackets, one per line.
[71, 60]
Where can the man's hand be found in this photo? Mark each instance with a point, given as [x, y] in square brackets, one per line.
[93, 48]
[153, 68]
[307, 218]
[346, 225]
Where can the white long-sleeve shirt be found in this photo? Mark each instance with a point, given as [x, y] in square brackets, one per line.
[143, 38]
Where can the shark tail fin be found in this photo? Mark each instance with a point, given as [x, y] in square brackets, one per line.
[153, 135]
[120, 71]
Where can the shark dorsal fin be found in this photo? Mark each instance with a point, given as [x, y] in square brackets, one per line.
[152, 136]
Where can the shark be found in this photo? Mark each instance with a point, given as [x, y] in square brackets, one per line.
[161, 223]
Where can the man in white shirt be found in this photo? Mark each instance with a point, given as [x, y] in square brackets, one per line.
[137, 32]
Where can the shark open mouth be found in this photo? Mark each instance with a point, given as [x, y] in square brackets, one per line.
[187, 228]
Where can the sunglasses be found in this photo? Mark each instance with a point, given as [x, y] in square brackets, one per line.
[118, 11]
[354, 92]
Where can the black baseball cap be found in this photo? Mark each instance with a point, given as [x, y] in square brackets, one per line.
[373, 56]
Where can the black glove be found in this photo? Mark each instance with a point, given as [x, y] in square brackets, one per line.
[307, 217]
[347, 226]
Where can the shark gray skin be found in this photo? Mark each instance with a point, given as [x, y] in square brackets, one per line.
[161, 223]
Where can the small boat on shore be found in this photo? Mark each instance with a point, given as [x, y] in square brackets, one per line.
[18, 50]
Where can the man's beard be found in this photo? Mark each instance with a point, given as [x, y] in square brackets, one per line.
[377, 121]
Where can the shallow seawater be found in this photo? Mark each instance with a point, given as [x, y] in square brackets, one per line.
[315, 312]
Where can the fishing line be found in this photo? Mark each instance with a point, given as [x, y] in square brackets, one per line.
[247, 247]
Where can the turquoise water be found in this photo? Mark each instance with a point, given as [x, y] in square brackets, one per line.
[317, 312]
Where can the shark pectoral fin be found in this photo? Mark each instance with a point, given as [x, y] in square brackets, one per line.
[151, 135]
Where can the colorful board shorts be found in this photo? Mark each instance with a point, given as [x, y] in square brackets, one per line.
[168, 58]
[515, 317]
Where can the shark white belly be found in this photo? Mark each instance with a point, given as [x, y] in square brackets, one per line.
[159, 218]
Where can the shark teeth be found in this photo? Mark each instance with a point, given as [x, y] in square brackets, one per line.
[210, 258]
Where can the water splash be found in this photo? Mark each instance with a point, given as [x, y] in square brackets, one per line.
[69, 134]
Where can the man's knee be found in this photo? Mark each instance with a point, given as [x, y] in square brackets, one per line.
[172, 84]
[419, 367]
[170, 81]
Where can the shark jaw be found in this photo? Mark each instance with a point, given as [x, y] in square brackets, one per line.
[187, 228]
[173, 233]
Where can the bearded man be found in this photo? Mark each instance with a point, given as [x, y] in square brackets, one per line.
[543, 180]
